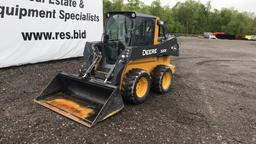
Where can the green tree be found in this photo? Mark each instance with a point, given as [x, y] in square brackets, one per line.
[117, 5]
[156, 8]
[191, 17]
[133, 5]
[107, 5]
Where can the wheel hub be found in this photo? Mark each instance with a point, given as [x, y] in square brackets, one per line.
[142, 87]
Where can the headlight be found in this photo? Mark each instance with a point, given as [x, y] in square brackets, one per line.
[125, 55]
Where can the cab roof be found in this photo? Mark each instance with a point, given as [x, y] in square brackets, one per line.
[130, 14]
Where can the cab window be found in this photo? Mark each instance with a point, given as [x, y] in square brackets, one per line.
[162, 36]
[144, 32]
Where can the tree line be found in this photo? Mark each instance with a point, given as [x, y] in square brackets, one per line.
[191, 17]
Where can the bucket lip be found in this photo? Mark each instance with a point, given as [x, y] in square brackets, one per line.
[84, 122]
[68, 115]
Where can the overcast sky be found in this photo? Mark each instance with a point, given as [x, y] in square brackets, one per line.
[241, 5]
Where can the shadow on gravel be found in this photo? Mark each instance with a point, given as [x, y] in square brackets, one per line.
[187, 110]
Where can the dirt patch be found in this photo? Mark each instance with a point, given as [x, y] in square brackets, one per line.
[208, 104]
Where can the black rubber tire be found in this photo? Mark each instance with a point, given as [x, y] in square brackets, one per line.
[157, 77]
[129, 86]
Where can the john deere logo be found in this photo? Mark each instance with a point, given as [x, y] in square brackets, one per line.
[149, 52]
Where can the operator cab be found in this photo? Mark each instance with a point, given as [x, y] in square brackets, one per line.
[117, 37]
[124, 29]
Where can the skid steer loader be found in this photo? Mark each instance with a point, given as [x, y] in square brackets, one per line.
[133, 56]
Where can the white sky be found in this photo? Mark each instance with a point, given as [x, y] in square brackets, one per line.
[241, 5]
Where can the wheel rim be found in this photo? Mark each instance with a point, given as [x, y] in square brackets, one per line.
[166, 81]
[142, 87]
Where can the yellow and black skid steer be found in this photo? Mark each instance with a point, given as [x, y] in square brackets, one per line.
[133, 57]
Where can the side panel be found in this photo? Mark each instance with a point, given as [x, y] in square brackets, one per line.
[147, 58]
[168, 48]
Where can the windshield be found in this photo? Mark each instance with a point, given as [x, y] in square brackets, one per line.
[119, 29]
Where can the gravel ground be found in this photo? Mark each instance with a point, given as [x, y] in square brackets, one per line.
[213, 101]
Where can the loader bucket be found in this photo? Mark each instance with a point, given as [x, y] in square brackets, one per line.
[84, 101]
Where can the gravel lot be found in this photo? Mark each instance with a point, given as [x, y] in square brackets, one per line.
[213, 101]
